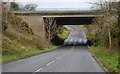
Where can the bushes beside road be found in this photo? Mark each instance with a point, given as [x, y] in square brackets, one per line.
[106, 53]
[100, 48]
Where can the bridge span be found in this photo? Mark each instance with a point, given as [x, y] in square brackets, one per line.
[36, 19]
[64, 17]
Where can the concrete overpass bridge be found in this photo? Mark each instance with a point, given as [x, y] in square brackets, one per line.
[37, 19]
[64, 17]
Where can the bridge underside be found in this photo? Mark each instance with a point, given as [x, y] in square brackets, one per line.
[74, 20]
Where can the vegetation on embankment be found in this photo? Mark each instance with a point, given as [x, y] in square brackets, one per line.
[99, 38]
[100, 46]
[108, 58]
[103, 35]
[60, 37]
[18, 47]
[19, 40]
[28, 52]
[64, 33]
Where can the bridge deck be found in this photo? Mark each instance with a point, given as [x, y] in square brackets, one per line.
[57, 13]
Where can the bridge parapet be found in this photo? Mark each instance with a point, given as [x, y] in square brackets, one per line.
[57, 12]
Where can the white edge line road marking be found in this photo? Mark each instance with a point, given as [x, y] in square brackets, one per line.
[53, 61]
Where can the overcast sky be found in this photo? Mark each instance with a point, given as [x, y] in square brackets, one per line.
[81, 4]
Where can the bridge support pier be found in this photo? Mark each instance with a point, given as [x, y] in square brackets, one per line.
[36, 23]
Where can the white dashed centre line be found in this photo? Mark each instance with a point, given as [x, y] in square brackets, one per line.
[52, 61]
[38, 70]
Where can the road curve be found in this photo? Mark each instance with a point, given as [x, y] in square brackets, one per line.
[63, 59]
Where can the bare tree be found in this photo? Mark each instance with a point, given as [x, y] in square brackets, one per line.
[5, 8]
[51, 27]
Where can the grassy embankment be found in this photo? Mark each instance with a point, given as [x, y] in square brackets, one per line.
[108, 57]
[65, 33]
[19, 41]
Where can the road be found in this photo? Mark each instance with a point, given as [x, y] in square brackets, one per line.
[63, 59]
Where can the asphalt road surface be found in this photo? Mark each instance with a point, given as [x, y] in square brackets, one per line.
[63, 59]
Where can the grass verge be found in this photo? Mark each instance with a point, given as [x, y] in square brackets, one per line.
[64, 35]
[26, 54]
[110, 61]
